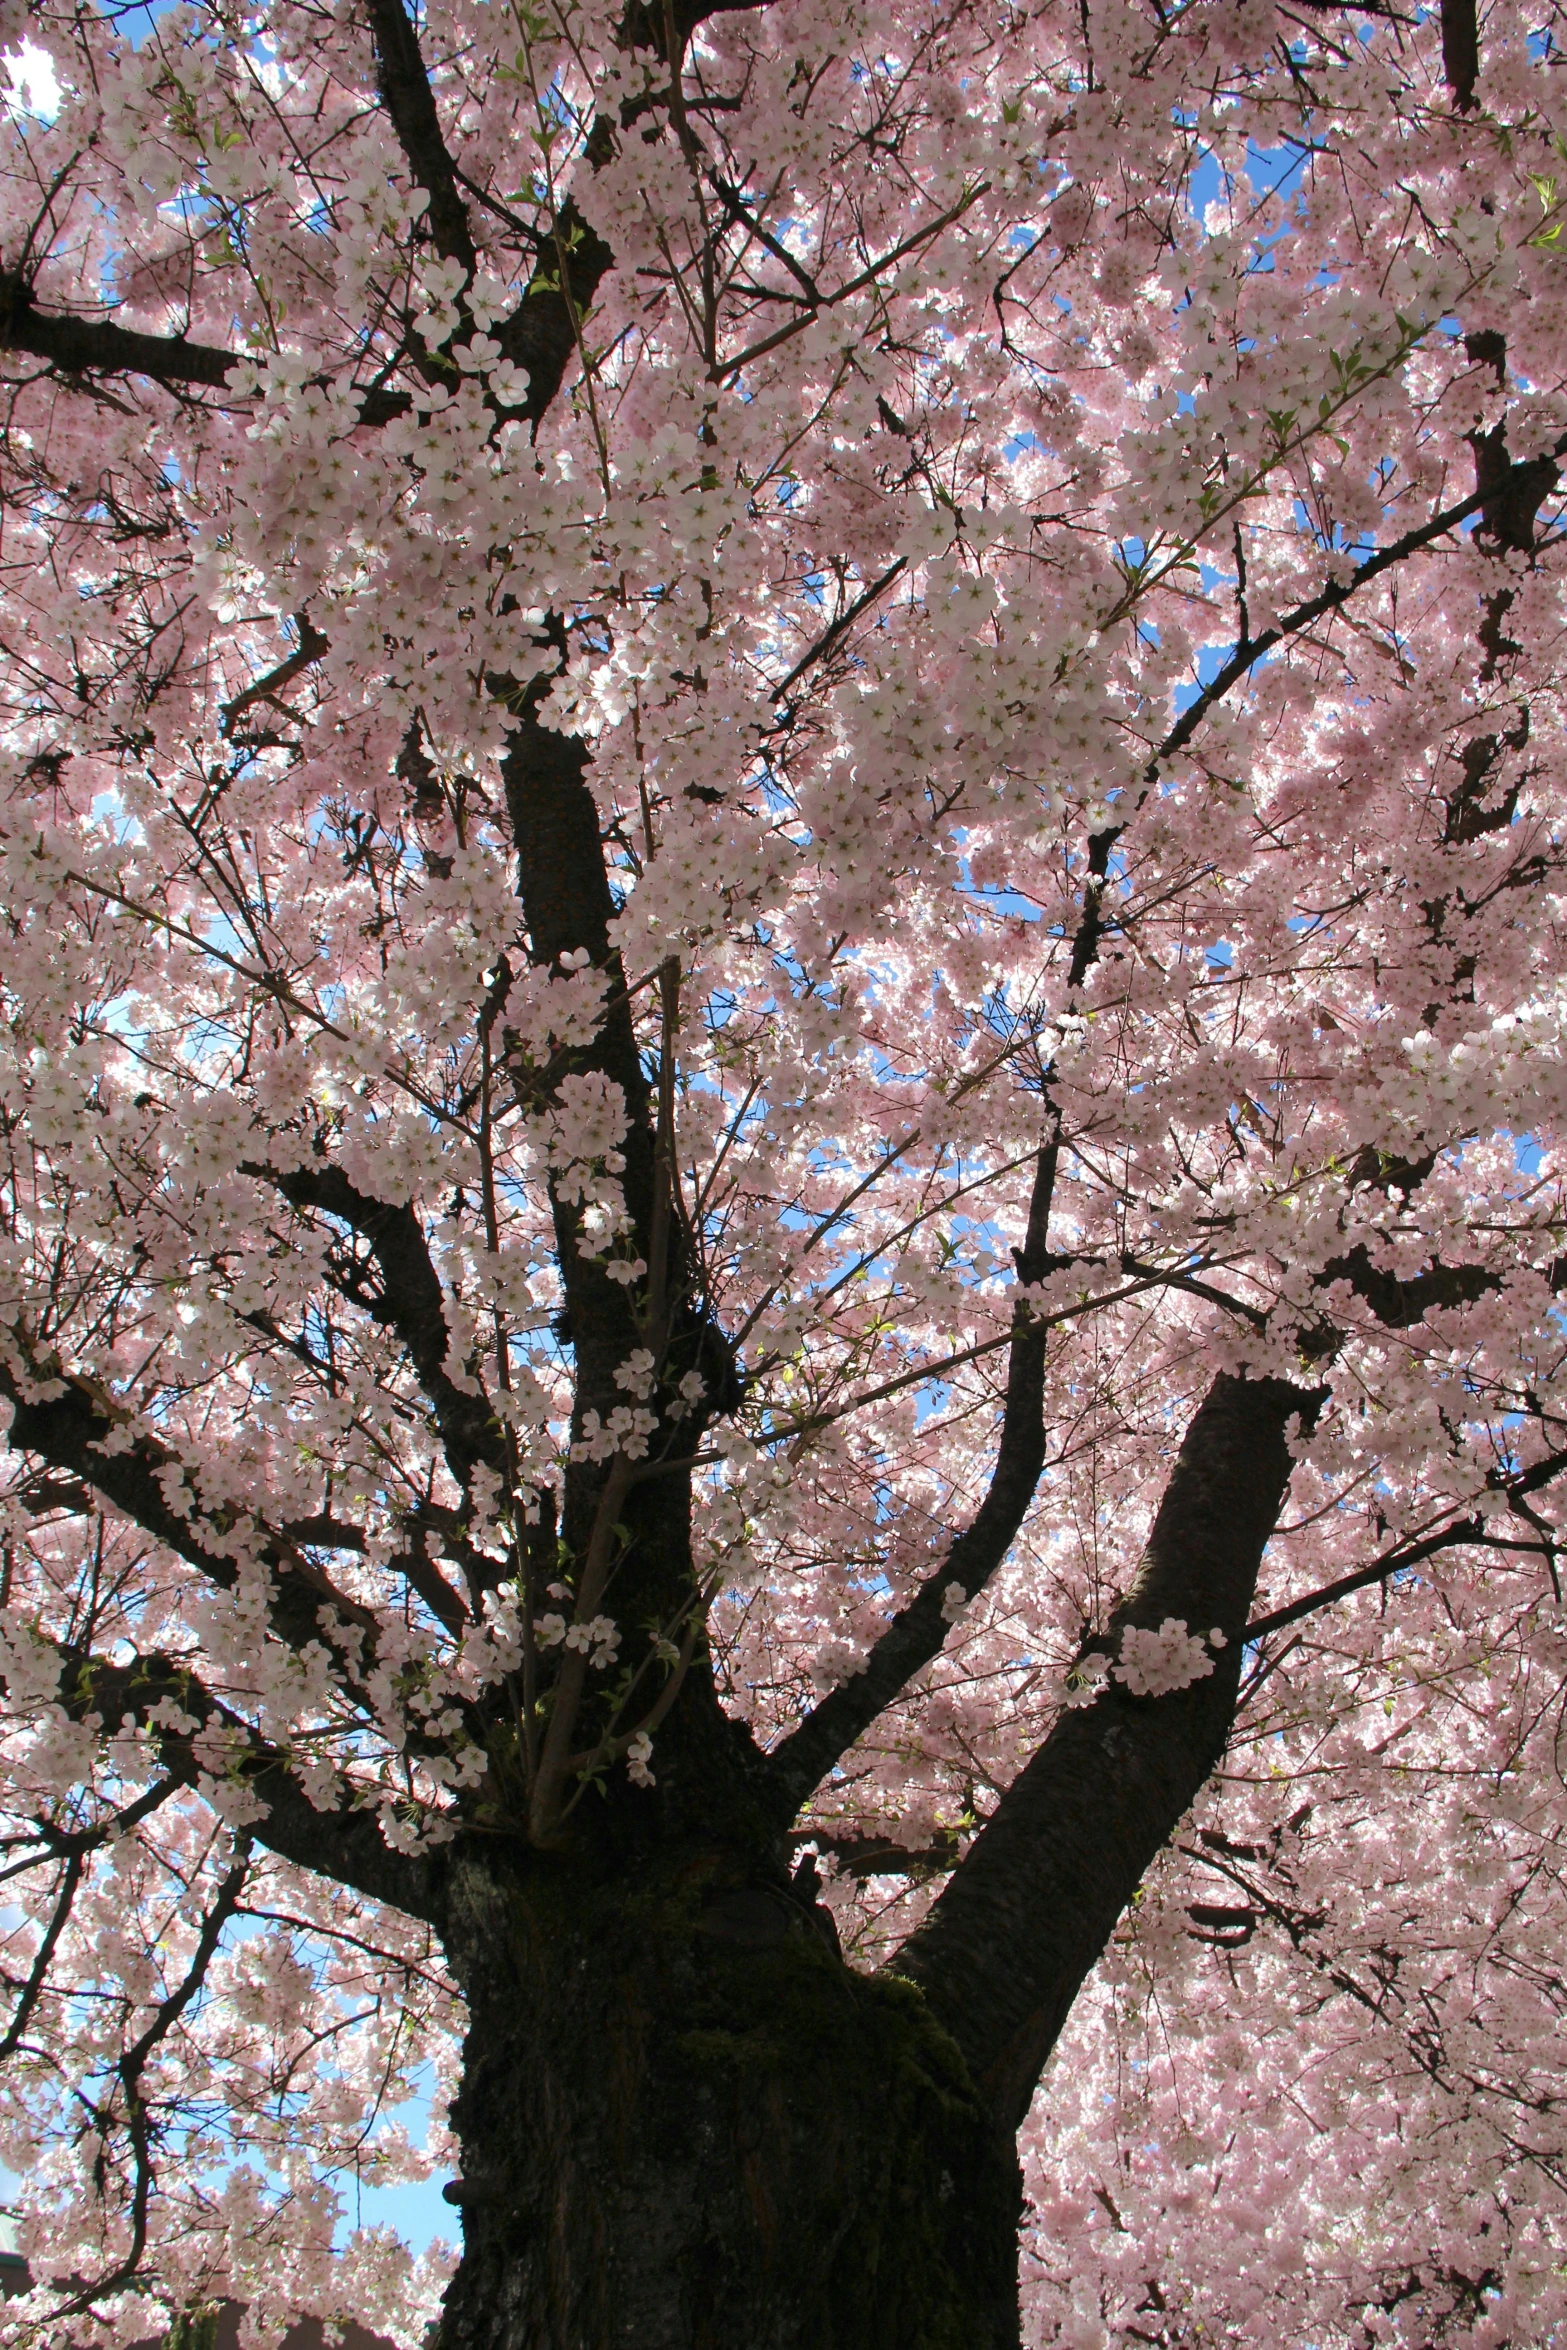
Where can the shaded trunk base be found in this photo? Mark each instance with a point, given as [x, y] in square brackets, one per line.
[685, 2125]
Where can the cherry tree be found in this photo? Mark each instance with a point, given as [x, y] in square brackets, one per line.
[782, 819]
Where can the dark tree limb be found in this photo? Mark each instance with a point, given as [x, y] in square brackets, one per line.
[1005, 1949]
[43, 1958]
[1461, 51]
[1509, 494]
[1397, 1304]
[55, 1843]
[801, 1761]
[413, 1562]
[544, 332]
[1531, 481]
[41, 1495]
[644, 24]
[567, 904]
[137, 1493]
[1461, 1532]
[139, 2124]
[69, 1431]
[312, 644]
[878, 1856]
[541, 335]
[804, 1757]
[1395, 1562]
[96, 346]
[403, 87]
[411, 1294]
[346, 1846]
[545, 329]
[836, 630]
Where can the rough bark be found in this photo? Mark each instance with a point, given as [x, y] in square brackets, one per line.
[686, 2125]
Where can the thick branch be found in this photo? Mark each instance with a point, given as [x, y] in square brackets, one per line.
[1530, 481]
[544, 332]
[545, 329]
[312, 644]
[1398, 1561]
[43, 1958]
[412, 1294]
[403, 86]
[568, 908]
[71, 1430]
[1399, 1304]
[541, 335]
[564, 886]
[345, 1846]
[644, 22]
[1475, 1530]
[1460, 51]
[802, 1760]
[1005, 1949]
[834, 633]
[133, 2063]
[567, 903]
[96, 346]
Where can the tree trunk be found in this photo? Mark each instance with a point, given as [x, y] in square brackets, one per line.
[686, 2125]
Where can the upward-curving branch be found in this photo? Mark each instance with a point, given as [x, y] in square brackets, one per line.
[1004, 1951]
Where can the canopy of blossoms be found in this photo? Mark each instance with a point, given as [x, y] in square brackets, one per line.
[1039, 526]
